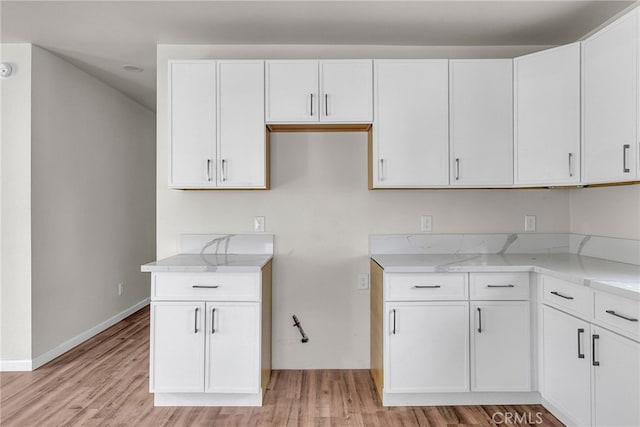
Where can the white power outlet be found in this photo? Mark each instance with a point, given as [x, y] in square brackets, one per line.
[363, 281]
[258, 224]
[529, 223]
[120, 289]
[426, 223]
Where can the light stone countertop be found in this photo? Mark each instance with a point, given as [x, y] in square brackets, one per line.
[609, 276]
[208, 263]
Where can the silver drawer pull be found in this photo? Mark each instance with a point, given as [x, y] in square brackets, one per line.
[205, 286]
[613, 313]
[426, 286]
[500, 286]
[558, 294]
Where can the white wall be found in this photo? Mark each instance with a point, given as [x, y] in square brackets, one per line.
[606, 211]
[321, 213]
[15, 224]
[93, 201]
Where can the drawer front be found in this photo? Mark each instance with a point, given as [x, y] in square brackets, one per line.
[426, 287]
[619, 313]
[499, 286]
[567, 296]
[203, 286]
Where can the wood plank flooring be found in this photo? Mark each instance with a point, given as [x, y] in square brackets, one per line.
[104, 382]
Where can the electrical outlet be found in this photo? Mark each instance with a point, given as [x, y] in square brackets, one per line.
[258, 224]
[120, 289]
[426, 223]
[363, 281]
[529, 223]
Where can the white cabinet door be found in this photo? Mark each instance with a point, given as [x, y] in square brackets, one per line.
[609, 91]
[411, 130]
[566, 364]
[346, 91]
[616, 379]
[547, 117]
[427, 347]
[241, 132]
[233, 347]
[177, 347]
[481, 122]
[500, 346]
[292, 91]
[192, 118]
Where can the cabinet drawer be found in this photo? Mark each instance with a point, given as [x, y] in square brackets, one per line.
[622, 314]
[567, 296]
[427, 286]
[210, 287]
[499, 286]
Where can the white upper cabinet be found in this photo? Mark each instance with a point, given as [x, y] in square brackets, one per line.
[547, 117]
[411, 126]
[339, 91]
[192, 118]
[292, 91]
[217, 134]
[481, 122]
[346, 89]
[241, 131]
[609, 102]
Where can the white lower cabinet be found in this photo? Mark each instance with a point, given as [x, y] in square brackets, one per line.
[210, 338]
[590, 375]
[616, 380]
[177, 347]
[500, 346]
[566, 365]
[427, 347]
[233, 348]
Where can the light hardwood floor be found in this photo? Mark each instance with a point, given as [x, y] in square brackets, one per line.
[104, 382]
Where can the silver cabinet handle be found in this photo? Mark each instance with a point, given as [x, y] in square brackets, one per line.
[311, 103]
[426, 286]
[394, 321]
[326, 105]
[195, 321]
[457, 169]
[570, 164]
[613, 313]
[594, 337]
[381, 170]
[213, 317]
[625, 152]
[205, 286]
[580, 353]
[558, 294]
[479, 320]
[500, 286]
[208, 169]
[224, 170]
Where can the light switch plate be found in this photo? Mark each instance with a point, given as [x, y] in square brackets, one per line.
[529, 223]
[363, 281]
[426, 223]
[258, 224]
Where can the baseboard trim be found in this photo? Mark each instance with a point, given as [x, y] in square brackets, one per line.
[15, 365]
[30, 365]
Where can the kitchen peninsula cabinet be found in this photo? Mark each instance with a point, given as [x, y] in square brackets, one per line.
[547, 117]
[411, 127]
[610, 79]
[331, 91]
[216, 116]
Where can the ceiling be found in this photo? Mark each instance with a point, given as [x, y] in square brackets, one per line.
[101, 36]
